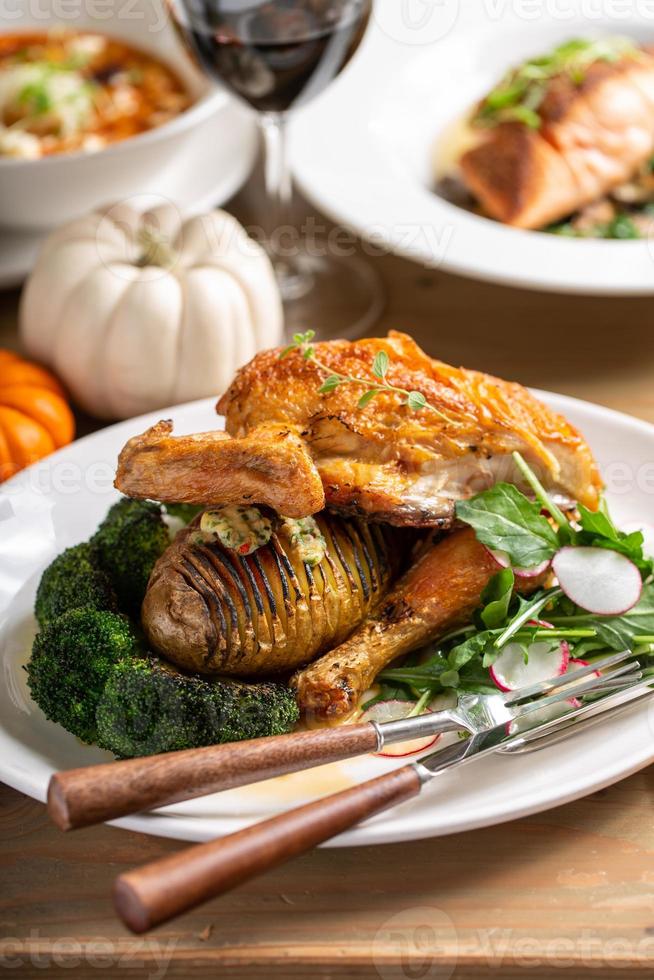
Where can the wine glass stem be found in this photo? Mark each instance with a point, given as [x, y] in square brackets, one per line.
[282, 237]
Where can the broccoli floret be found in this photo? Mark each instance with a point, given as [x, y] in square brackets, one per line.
[73, 581]
[71, 661]
[150, 707]
[127, 544]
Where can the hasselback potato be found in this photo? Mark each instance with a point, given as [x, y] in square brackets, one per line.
[213, 611]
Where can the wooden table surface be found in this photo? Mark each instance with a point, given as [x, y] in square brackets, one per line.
[559, 894]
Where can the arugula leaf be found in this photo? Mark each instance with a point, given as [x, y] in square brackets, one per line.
[496, 599]
[423, 676]
[389, 692]
[599, 531]
[474, 679]
[473, 647]
[597, 522]
[505, 520]
[618, 632]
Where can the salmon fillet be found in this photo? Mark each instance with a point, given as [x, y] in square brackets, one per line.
[594, 134]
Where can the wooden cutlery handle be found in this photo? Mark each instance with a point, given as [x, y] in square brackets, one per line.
[81, 797]
[164, 889]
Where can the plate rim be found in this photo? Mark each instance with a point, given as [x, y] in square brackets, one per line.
[192, 827]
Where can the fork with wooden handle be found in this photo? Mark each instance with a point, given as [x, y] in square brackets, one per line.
[157, 892]
[96, 794]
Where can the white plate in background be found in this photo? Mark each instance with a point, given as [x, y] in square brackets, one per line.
[364, 152]
[60, 502]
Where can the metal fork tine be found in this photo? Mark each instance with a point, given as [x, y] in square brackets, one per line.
[574, 690]
[580, 718]
[613, 683]
[544, 687]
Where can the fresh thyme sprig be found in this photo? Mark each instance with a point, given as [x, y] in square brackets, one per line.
[414, 400]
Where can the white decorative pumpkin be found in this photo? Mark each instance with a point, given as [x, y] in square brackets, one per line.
[136, 311]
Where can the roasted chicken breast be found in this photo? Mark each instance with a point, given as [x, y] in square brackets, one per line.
[595, 128]
[297, 450]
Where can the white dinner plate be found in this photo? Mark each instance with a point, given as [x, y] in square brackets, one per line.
[364, 152]
[60, 502]
[218, 156]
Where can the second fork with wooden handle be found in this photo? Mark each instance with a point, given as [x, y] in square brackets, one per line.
[96, 794]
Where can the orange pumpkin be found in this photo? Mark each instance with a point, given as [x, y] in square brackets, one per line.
[35, 418]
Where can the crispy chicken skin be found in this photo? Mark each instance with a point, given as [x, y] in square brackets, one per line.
[594, 134]
[209, 467]
[390, 463]
[438, 593]
[297, 450]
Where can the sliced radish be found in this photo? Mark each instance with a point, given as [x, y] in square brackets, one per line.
[603, 582]
[542, 623]
[534, 572]
[500, 557]
[443, 702]
[510, 672]
[504, 561]
[384, 711]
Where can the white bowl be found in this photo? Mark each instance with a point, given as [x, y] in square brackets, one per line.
[47, 192]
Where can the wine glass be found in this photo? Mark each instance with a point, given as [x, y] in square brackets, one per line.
[277, 55]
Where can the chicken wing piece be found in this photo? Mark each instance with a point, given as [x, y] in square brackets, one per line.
[211, 467]
[439, 593]
[297, 449]
[594, 132]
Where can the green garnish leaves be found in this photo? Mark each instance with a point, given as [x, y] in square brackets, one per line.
[36, 96]
[496, 599]
[599, 531]
[380, 364]
[414, 400]
[474, 646]
[505, 520]
[619, 632]
[367, 397]
[329, 384]
[519, 95]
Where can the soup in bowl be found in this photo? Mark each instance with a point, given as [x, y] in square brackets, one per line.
[66, 91]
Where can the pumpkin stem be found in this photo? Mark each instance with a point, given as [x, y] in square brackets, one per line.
[157, 249]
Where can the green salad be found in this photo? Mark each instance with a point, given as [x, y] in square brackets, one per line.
[587, 589]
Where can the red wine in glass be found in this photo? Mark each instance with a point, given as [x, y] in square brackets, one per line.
[277, 55]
